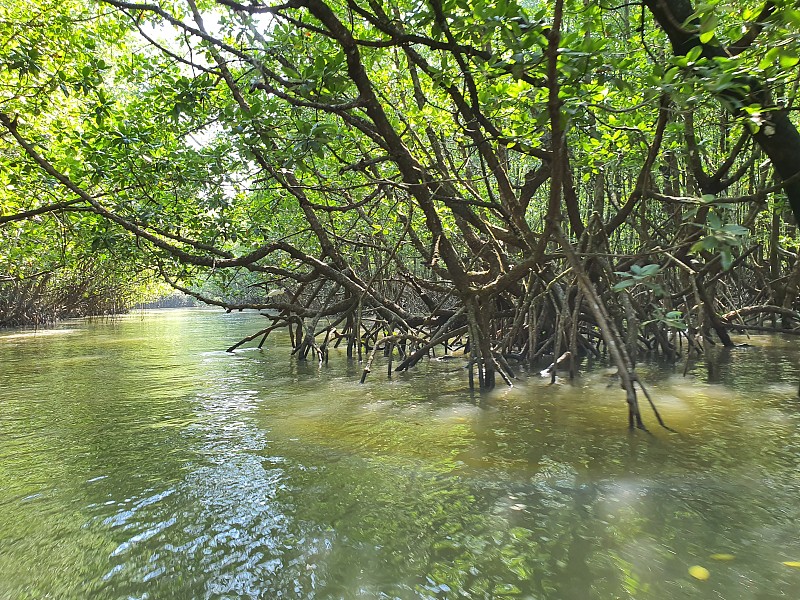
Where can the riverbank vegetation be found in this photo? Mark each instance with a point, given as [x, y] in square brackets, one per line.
[54, 268]
[504, 180]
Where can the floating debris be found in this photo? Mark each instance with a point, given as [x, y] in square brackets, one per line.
[699, 572]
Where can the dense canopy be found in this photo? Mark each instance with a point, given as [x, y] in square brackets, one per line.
[510, 179]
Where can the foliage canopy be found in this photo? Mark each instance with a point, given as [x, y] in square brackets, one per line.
[535, 176]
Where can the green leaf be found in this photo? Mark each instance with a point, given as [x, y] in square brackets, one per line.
[727, 259]
[693, 54]
[621, 285]
[787, 60]
[671, 74]
[708, 25]
[734, 229]
[649, 270]
[791, 16]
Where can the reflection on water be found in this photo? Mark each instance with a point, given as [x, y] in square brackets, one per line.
[140, 461]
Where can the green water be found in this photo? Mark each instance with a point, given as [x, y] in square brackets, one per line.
[139, 460]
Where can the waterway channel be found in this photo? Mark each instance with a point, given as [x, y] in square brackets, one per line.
[139, 460]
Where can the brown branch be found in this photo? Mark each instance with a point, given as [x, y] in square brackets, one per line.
[757, 310]
[747, 39]
[643, 178]
[21, 216]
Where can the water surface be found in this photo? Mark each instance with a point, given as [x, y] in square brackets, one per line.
[139, 460]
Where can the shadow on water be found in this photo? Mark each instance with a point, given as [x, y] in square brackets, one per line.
[140, 461]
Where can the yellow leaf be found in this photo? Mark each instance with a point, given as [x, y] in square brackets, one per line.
[699, 572]
[722, 556]
[792, 563]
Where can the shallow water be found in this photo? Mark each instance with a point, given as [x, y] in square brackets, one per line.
[139, 460]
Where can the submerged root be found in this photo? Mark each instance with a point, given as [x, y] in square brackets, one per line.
[565, 307]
